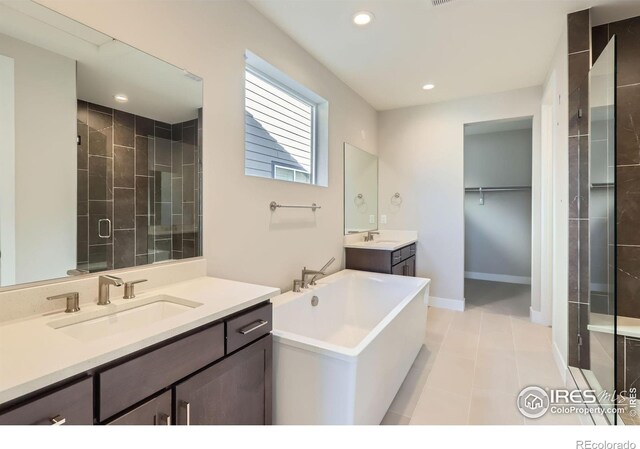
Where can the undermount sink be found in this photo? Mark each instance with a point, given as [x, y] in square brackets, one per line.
[115, 319]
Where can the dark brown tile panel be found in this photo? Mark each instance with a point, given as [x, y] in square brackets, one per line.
[574, 278]
[101, 257]
[123, 249]
[632, 364]
[100, 178]
[142, 195]
[83, 192]
[143, 245]
[579, 65]
[574, 177]
[144, 127]
[83, 146]
[124, 162]
[82, 248]
[124, 209]
[584, 262]
[628, 124]
[627, 34]
[578, 24]
[628, 205]
[599, 40]
[124, 127]
[628, 281]
[144, 156]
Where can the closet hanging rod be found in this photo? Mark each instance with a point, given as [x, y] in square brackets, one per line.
[496, 189]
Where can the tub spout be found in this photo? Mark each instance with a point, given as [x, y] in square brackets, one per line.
[321, 271]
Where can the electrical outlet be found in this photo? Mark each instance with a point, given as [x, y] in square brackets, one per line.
[383, 219]
[372, 219]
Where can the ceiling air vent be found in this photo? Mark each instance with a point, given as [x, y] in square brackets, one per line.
[440, 2]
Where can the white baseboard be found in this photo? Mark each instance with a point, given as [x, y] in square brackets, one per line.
[560, 362]
[536, 317]
[446, 303]
[497, 277]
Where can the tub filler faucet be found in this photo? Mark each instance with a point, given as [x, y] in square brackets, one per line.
[314, 273]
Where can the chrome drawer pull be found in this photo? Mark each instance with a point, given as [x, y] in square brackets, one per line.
[187, 407]
[253, 326]
[58, 420]
[162, 419]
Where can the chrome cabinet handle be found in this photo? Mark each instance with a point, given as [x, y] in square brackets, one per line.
[162, 419]
[108, 235]
[187, 407]
[57, 420]
[253, 326]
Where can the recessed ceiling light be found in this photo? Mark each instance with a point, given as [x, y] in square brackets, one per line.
[121, 98]
[362, 18]
[428, 86]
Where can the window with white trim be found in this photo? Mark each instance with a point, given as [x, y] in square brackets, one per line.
[281, 126]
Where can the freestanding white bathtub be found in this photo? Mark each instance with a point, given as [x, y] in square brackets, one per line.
[343, 361]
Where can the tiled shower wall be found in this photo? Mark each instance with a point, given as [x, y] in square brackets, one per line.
[579, 33]
[627, 34]
[145, 177]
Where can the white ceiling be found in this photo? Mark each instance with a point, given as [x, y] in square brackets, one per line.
[465, 48]
[105, 66]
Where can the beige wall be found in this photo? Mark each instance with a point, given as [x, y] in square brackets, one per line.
[421, 156]
[242, 239]
[45, 163]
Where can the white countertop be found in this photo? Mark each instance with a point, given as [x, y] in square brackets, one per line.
[629, 327]
[386, 240]
[34, 355]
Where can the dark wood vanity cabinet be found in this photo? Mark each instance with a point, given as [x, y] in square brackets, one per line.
[401, 261]
[154, 412]
[69, 405]
[217, 374]
[235, 391]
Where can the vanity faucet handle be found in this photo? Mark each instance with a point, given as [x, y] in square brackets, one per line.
[129, 292]
[73, 301]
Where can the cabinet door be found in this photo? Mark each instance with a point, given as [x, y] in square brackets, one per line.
[236, 390]
[411, 266]
[399, 269]
[69, 405]
[156, 412]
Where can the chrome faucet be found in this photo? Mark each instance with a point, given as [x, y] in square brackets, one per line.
[315, 274]
[369, 236]
[103, 288]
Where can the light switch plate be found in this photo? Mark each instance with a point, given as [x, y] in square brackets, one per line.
[372, 219]
[383, 219]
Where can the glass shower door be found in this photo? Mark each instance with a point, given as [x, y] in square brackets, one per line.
[599, 370]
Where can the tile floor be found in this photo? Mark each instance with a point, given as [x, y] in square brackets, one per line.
[474, 363]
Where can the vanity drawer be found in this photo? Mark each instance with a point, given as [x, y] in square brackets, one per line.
[403, 254]
[248, 327]
[70, 405]
[132, 381]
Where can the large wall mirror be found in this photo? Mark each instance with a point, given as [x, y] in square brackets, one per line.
[360, 190]
[100, 151]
